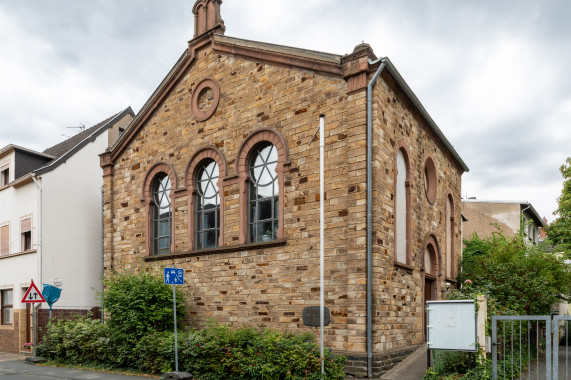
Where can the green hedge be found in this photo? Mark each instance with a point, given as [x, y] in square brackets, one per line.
[215, 352]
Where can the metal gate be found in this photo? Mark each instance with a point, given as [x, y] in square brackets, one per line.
[561, 342]
[531, 347]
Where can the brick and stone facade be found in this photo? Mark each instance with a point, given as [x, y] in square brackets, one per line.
[265, 92]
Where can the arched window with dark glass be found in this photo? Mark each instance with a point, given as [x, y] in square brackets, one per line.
[207, 206]
[162, 215]
[263, 200]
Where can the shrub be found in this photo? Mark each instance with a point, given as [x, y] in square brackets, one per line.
[82, 340]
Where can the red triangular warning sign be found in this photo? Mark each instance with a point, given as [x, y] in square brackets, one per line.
[33, 295]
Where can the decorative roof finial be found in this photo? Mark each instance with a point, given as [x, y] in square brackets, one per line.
[207, 17]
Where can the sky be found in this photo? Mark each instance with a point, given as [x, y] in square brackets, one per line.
[494, 75]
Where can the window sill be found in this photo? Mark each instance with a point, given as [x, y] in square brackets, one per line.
[404, 266]
[7, 327]
[213, 251]
[18, 254]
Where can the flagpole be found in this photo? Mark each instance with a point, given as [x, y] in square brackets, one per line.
[321, 236]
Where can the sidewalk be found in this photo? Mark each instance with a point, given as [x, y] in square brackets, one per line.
[12, 366]
[411, 368]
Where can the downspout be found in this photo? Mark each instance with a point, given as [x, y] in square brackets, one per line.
[39, 238]
[370, 214]
[102, 258]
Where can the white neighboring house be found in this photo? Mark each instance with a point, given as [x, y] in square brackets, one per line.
[50, 226]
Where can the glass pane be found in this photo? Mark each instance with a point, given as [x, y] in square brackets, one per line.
[209, 220]
[252, 237]
[199, 222]
[276, 208]
[211, 239]
[265, 210]
[267, 231]
[256, 172]
[164, 243]
[164, 228]
[266, 191]
[266, 177]
[199, 240]
[7, 297]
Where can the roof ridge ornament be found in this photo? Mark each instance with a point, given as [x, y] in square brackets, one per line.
[207, 17]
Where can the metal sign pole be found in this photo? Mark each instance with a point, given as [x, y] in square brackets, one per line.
[34, 330]
[175, 337]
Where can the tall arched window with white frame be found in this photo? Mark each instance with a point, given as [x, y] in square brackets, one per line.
[263, 199]
[161, 215]
[207, 210]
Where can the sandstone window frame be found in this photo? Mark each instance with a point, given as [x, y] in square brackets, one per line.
[245, 152]
[193, 166]
[195, 107]
[7, 306]
[404, 217]
[148, 185]
[450, 240]
[430, 180]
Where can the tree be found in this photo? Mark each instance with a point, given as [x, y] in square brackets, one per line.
[520, 279]
[559, 231]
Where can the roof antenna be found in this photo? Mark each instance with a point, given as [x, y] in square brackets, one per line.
[81, 127]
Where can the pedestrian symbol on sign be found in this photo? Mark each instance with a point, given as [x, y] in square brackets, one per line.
[174, 276]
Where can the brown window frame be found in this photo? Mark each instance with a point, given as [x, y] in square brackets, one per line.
[4, 306]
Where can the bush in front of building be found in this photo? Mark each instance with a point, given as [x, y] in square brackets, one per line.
[221, 352]
[138, 336]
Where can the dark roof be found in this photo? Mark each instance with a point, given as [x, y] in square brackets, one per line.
[63, 147]
[69, 147]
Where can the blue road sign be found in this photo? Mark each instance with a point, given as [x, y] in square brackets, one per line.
[174, 276]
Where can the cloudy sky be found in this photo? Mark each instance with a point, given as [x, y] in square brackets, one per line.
[494, 75]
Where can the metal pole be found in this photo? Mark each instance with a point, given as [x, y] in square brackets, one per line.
[321, 236]
[34, 326]
[175, 340]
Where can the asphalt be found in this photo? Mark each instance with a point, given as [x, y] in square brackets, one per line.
[13, 367]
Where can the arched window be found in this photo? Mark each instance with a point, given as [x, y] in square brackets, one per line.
[161, 215]
[450, 262]
[402, 209]
[263, 197]
[207, 210]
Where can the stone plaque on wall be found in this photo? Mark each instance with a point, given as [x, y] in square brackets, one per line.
[311, 316]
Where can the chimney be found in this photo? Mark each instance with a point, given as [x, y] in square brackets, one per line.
[207, 17]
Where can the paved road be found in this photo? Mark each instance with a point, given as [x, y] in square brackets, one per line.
[564, 367]
[12, 367]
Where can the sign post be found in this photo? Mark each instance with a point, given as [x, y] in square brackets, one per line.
[33, 295]
[174, 276]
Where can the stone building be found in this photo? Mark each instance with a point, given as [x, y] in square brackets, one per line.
[216, 175]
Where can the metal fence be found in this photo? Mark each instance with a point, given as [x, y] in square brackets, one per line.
[561, 342]
[531, 347]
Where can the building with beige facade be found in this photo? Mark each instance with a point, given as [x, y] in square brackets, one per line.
[216, 175]
[485, 217]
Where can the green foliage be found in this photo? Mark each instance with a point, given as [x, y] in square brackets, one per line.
[140, 304]
[559, 231]
[81, 340]
[517, 278]
[215, 352]
[219, 352]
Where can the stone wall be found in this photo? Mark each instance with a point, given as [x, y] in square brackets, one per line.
[268, 285]
[9, 335]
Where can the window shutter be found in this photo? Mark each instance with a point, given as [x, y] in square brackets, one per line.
[26, 225]
[4, 240]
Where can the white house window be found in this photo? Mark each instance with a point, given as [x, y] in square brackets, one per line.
[162, 215]
[263, 194]
[26, 234]
[6, 303]
[4, 175]
[207, 206]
